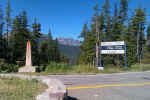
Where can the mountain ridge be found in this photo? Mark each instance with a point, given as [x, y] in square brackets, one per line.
[68, 47]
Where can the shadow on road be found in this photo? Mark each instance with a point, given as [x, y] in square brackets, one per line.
[71, 98]
[146, 78]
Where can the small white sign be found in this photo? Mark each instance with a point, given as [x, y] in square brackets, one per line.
[112, 51]
[100, 68]
[112, 47]
[112, 43]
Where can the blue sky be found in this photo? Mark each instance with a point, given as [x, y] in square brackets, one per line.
[64, 17]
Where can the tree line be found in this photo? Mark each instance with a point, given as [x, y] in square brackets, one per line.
[14, 34]
[119, 25]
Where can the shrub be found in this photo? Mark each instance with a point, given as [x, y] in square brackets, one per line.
[7, 68]
[54, 67]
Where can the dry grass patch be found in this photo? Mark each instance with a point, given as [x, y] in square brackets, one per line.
[19, 89]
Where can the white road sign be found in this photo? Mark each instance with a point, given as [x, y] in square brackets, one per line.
[112, 43]
[117, 47]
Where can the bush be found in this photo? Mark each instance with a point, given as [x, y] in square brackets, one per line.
[54, 67]
[7, 68]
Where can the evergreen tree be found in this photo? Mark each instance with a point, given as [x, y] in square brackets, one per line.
[8, 26]
[108, 29]
[43, 53]
[50, 35]
[87, 55]
[84, 32]
[46, 55]
[2, 53]
[107, 20]
[101, 21]
[50, 49]
[116, 34]
[122, 18]
[51, 53]
[36, 28]
[138, 27]
[20, 34]
[148, 33]
[8, 19]
[57, 55]
[1, 22]
[106, 9]
[123, 12]
[131, 47]
[148, 38]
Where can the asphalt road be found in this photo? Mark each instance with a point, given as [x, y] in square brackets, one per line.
[121, 86]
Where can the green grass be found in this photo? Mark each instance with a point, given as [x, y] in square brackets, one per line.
[62, 68]
[83, 69]
[65, 69]
[133, 68]
[111, 70]
[140, 67]
[19, 89]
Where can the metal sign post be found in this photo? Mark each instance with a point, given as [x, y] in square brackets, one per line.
[125, 54]
[117, 47]
[100, 67]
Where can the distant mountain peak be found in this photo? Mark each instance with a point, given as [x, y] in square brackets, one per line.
[64, 41]
[68, 41]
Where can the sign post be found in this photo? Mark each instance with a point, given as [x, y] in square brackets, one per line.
[125, 54]
[117, 47]
[100, 67]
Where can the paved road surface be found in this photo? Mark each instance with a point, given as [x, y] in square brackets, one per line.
[121, 86]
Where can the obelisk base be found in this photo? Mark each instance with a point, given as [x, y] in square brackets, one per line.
[27, 69]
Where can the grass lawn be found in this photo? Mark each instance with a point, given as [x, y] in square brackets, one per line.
[19, 89]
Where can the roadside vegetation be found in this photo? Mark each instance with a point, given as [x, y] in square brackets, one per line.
[114, 22]
[65, 69]
[19, 89]
[133, 68]
[7, 68]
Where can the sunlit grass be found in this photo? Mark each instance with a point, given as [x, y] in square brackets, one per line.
[19, 89]
[140, 67]
[61, 68]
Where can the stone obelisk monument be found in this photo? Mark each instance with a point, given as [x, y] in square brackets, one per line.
[28, 67]
[28, 54]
